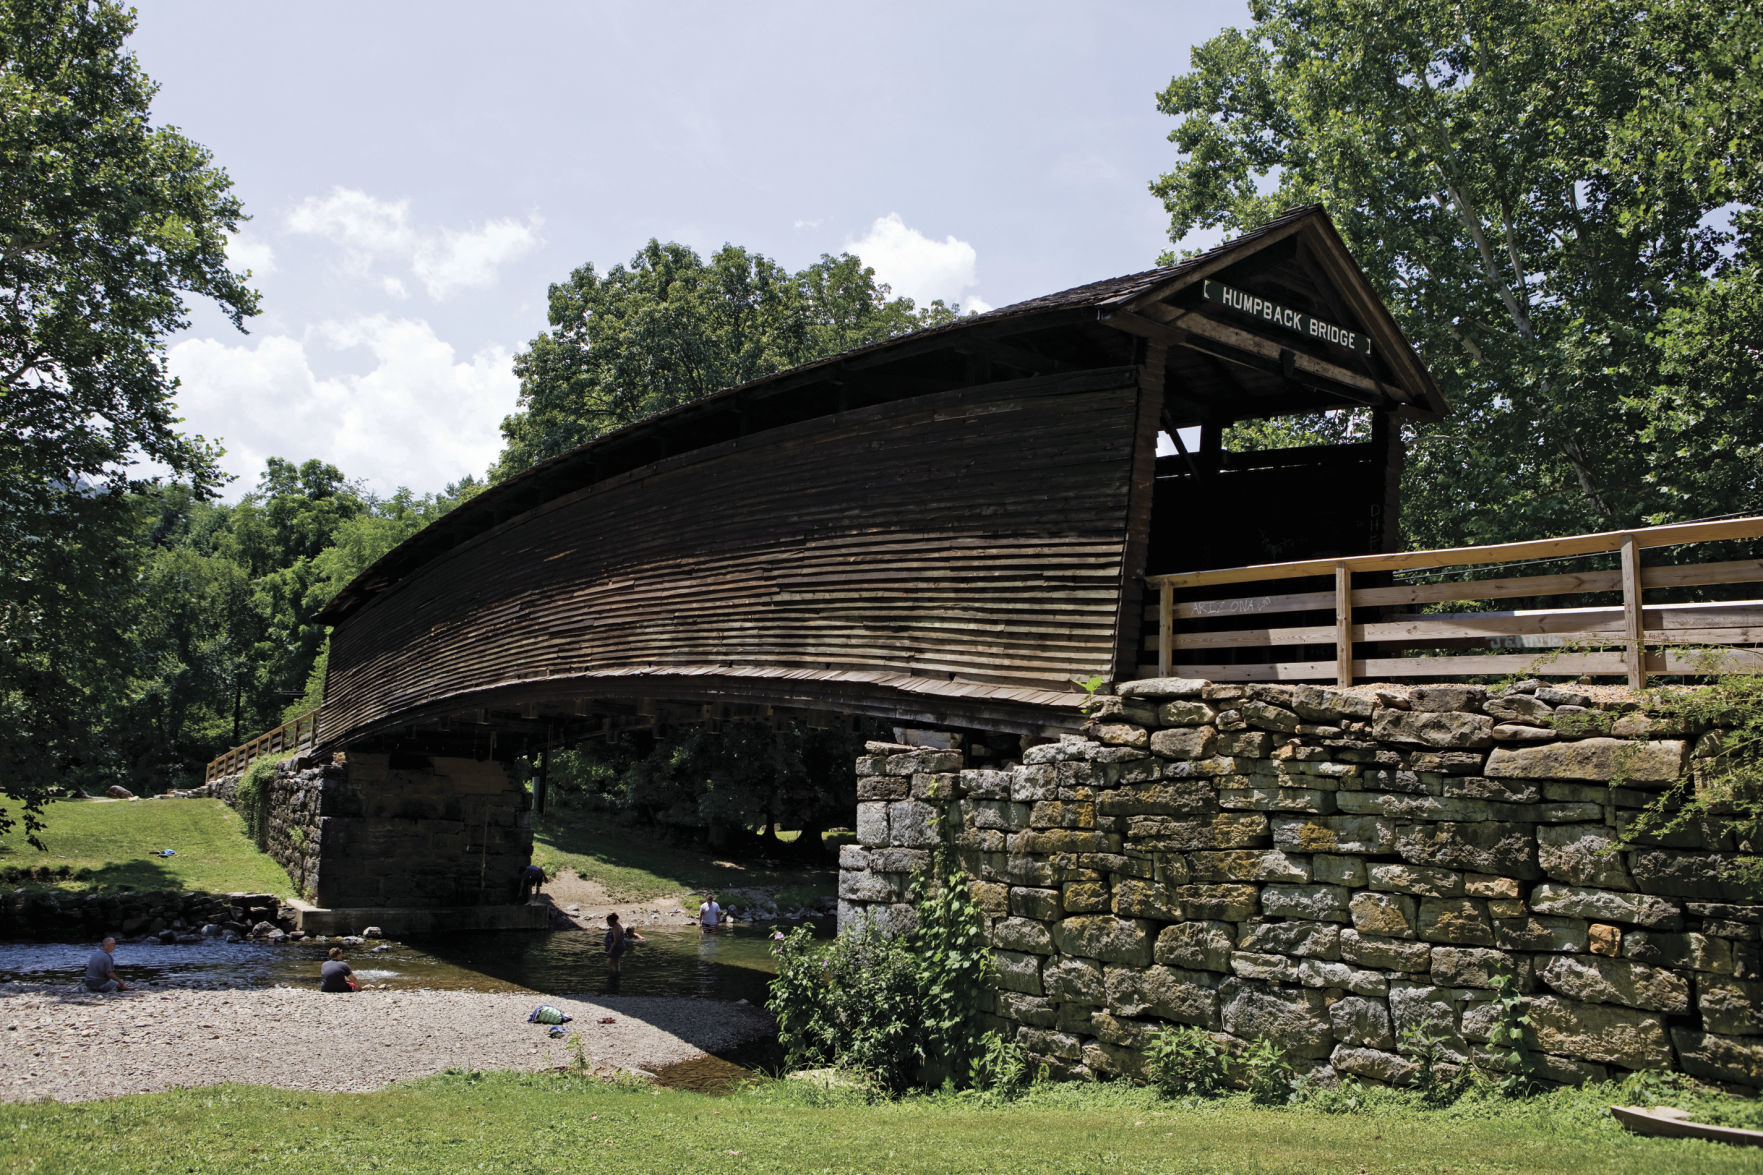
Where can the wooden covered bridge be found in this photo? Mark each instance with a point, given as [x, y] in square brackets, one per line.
[948, 529]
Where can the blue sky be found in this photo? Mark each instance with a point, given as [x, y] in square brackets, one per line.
[418, 174]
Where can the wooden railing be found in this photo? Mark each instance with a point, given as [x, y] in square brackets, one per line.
[1609, 639]
[299, 735]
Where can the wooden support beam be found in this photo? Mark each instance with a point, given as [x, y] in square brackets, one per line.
[1191, 329]
[1633, 621]
[1165, 630]
[1343, 624]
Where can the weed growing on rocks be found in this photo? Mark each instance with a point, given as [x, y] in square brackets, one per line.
[1185, 1062]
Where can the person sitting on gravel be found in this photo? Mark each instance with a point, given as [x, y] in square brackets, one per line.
[101, 968]
[335, 975]
[618, 940]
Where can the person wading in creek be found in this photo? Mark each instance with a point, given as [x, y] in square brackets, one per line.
[101, 968]
[618, 940]
[709, 914]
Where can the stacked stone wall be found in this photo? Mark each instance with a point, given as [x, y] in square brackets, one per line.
[374, 830]
[1329, 868]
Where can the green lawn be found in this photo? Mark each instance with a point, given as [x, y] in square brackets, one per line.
[558, 1124]
[636, 869]
[113, 841]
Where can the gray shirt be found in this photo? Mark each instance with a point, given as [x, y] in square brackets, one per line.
[100, 966]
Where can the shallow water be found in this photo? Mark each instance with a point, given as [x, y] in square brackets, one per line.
[733, 964]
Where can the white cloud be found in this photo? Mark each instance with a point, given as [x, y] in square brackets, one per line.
[462, 260]
[416, 415]
[355, 219]
[913, 264]
[815, 223]
[445, 260]
[245, 252]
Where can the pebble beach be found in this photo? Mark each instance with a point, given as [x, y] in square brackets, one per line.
[59, 1042]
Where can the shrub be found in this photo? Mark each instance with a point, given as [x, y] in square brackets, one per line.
[1438, 1079]
[1185, 1062]
[903, 1008]
[1000, 1069]
[1269, 1075]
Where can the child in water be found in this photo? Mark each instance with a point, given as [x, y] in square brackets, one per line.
[618, 940]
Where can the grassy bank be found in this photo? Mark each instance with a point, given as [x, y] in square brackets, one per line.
[534, 1124]
[636, 869]
[104, 844]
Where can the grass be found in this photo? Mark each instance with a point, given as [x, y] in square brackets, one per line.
[636, 869]
[112, 841]
[533, 1124]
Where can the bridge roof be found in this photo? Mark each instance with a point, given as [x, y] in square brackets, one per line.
[1060, 331]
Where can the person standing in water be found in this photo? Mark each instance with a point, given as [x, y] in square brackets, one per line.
[709, 914]
[618, 940]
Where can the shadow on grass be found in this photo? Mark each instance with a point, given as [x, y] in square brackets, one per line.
[148, 873]
[644, 867]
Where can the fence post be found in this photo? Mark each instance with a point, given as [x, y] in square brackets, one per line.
[1633, 619]
[1165, 630]
[1343, 624]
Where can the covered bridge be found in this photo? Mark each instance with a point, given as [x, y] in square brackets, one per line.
[946, 528]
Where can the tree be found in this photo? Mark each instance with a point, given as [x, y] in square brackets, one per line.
[1535, 188]
[106, 224]
[670, 328]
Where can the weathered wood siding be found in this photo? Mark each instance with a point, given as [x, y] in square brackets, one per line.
[968, 536]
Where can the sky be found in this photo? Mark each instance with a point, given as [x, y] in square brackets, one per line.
[417, 174]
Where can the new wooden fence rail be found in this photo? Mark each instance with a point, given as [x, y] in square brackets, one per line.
[1617, 635]
[299, 735]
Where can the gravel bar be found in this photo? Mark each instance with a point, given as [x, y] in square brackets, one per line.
[68, 1045]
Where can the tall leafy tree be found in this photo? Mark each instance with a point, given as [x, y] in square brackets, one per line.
[107, 223]
[1539, 189]
[671, 327]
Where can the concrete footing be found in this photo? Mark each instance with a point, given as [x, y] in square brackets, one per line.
[400, 922]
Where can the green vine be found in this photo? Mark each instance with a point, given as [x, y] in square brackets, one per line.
[252, 799]
[1509, 1041]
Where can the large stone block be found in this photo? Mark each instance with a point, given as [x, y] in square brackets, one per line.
[1428, 1007]
[1085, 897]
[1596, 980]
[1161, 688]
[1034, 781]
[1421, 880]
[1296, 1018]
[1389, 954]
[1268, 717]
[1317, 903]
[1227, 830]
[1582, 854]
[1169, 993]
[1180, 797]
[1315, 801]
[1360, 1021]
[985, 784]
[1374, 1065]
[1320, 940]
[1508, 850]
[1062, 814]
[1098, 936]
[1079, 981]
[1185, 742]
[991, 897]
[1224, 902]
[1195, 945]
[1604, 1033]
[1433, 729]
[1607, 906]
[1462, 921]
[883, 787]
[1720, 1058]
[1334, 834]
[865, 887]
[872, 824]
[1315, 703]
[1022, 934]
[1692, 875]
[1385, 915]
[1683, 952]
[1601, 759]
[1056, 1046]
[1028, 1009]
[1533, 933]
[1019, 972]
[1327, 869]
[1139, 898]
[1470, 966]
[1042, 905]
[1732, 1007]
[1248, 865]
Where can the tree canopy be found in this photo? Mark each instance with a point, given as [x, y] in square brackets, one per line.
[1556, 198]
[671, 327]
[107, 223]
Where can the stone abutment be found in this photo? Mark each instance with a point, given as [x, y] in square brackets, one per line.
[1330, 869]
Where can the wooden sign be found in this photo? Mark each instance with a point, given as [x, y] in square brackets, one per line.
[1296, 321]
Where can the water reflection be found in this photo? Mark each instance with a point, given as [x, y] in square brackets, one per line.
[734, 963]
